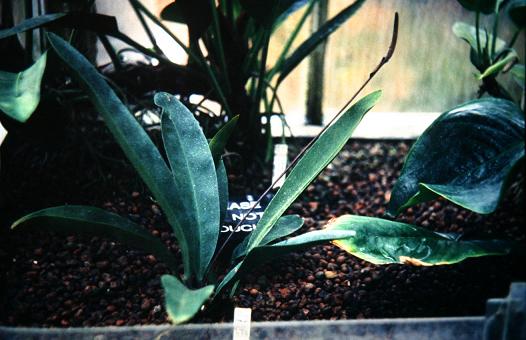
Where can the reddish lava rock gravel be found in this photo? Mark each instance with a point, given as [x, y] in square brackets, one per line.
[63, 281]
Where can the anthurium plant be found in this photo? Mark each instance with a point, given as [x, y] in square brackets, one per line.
[491, 55]
[470, 154]
[191, 188]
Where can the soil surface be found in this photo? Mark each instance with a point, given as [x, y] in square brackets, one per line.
[54, 280]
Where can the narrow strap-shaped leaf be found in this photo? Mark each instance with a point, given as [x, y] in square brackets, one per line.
[498, 66]
[222, 187]
[20, 92]
[30, 24]
[100, 23]
[285, 226]
[317, 38]
[94, 221]
[195, 178]
[319, 155]
[466, 147]
[130, 136]
[262, 254]
[218, 142]
[183, 303]
[382, 241]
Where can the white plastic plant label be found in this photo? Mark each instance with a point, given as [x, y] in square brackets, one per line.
[280, 164]
[242, 318]
[3, 133]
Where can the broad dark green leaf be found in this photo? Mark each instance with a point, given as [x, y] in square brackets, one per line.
[218, 142]
[181, 302]
[382, 241]
[285, 226]
[270, 12]
[483, 6]
[20, 92]
[480, 190]
[95, 22]
[195, 180]
[319, 155]
[262, 254]
[132, 138]
[94, 221]
[469, 149]
[517, 11]
[196, 14]
[518, 73]
[317, 38]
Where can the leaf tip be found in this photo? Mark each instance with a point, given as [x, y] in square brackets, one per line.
[161, 99]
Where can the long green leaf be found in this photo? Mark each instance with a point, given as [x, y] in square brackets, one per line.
[218, 142]
[262, 254]
[317, 38]
[285, 226]
[20, 92]
[222, 187]
[183, 303]
[464, 156]
[102, 24]
[311, 164]
[498, 66]
[195, 180]
[94, 221]
[382, 241]
[30, 24]
[131, 137]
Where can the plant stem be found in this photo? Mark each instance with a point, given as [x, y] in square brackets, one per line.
[254, 111]
[382, 62]
[111, 51]
[291, 39]
[218, 42]
[145, 26]
[495, 30]
[477, 29]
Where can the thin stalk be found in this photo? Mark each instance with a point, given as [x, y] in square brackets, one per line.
[261, 77]
[111, 52]
[146, 27]
[291, 39]
[383, 61]
[201, 61]
[218, 42]
[495, 30]
[254, 51]
[477, 24]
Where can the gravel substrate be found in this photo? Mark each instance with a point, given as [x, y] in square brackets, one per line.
[63, 281]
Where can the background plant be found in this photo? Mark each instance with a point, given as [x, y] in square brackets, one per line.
[470, 153]
[491, 55]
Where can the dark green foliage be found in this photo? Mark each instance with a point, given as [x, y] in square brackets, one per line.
[465, 156]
